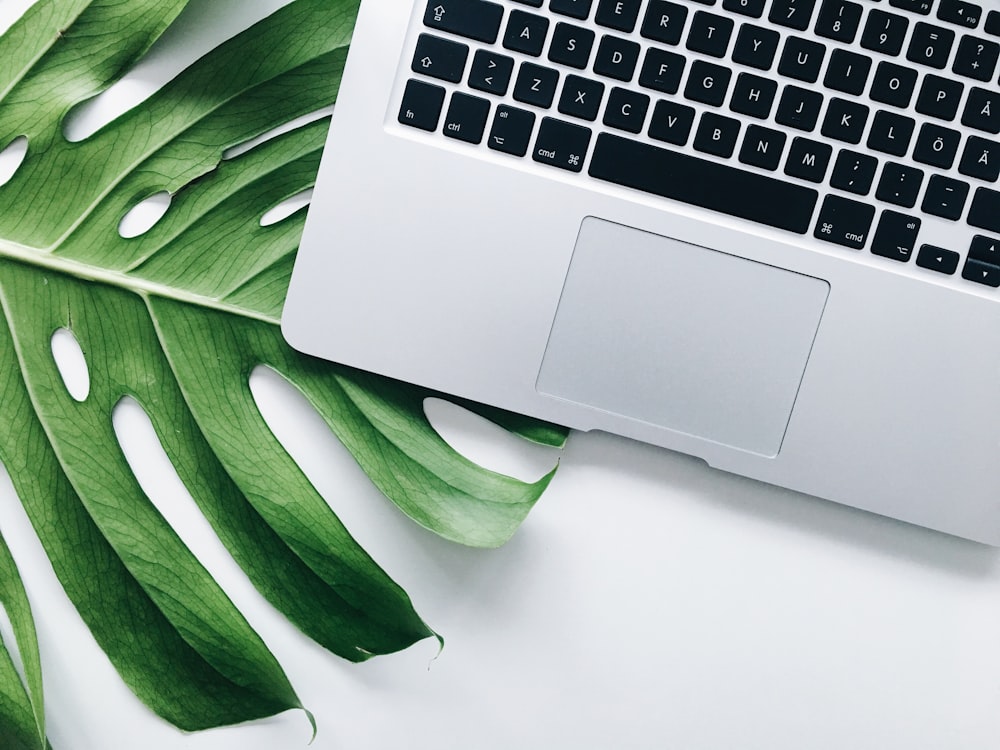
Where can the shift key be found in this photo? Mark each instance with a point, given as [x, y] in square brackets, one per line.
[473, 19]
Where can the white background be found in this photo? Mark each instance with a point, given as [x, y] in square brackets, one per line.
[648, 601]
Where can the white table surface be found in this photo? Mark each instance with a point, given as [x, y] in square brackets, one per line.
[648, 601]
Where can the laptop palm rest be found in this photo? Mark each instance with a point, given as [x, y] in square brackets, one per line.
[682, 337]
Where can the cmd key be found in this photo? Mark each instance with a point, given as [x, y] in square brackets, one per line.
[473, 19]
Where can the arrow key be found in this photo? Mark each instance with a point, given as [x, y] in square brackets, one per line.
[937, 259]
[985, 249]
[491, 72]
[981, 273]
[440, 58]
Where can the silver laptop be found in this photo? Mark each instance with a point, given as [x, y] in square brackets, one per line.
[761, 232]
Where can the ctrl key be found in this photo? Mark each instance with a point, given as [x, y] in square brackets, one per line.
[422, 104]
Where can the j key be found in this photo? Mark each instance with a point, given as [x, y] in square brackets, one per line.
[891, 133]
[707, 83]
[573, 8]
[982, 110]
[717, 135]
[845, 120]
[945, 197]
[937, 259]
[709, 34]
[939, 97]
[899, 185]
[896, 236]
[618, 14]
[930, 45]
[581, 98]
[422, 103]
[664, 21]
[981, 273]
[491, 72]
[753, 96]
[960, 12]
[561, 144]
[626, 110]
[511, 132]
[616, 58]
[985, 250]
[440, 58]
[571, 45]
[847, 72]
[756, 47]
[808, 160]
[981, 159]
[799, 108]
[976, 58]
[985, 210]
[893, 84]
[884, 32]
[474, 19]
[917, 6]
[526, 33]
[704, 183]
[762, 147]
[839, 20]
[801, 59]
[466, 118]
[936, 146]
[795, 14]
[854, 172]
[536, 85]
[662, 70]
[754, 8]
[844, 222]
[671, 122]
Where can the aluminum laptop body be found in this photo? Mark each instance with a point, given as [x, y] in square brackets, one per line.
[759, 323]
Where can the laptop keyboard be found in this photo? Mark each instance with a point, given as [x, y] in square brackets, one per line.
[857, 123]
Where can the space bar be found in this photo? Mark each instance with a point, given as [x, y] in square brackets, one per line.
[703, 183]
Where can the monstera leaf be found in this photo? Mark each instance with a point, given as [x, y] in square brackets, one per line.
[177, 319]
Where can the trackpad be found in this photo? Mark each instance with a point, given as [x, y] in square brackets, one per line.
[682, 337]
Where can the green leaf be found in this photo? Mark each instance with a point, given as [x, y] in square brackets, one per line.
[177, 319]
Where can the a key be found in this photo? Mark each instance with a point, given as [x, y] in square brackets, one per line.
[561, 144]
[895, 236]
[526, 33]
[474, 19]
[844, 222]
[511, 131]
[945, 197]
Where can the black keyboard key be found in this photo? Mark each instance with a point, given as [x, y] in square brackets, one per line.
[854, 172]
[884, 32]
[618, 14]
[985, 210]
[891, 133]
[795, 14]
[762, 147]
[709, 34]
[561, 144]
[466, 118]
[616, 58]
[945, 197]
[799, 108]
[717, 135]
[511, 131]
[491, 72]
[536, 85]
[939, 97]
[976, 58]
[844, 222]
[704, 183]
[839, 20]
[753, 96]
[707, 83]
[808, 160]
[753, 8]
[671, 122]
[930, 45]
[937, 259]
[896, 236]
[981, 273]
[533, 3]
[960, 12]
[936, 146]
[756, 47]
[992, 23]
[474, 19]
[571, 45]
[664, 22]
[801, 59]
[982, 110]
[893, 84]
[579, 9]
[847, 72]
[422, 104]
[923, 7]
[899, 185]
[581, 97]
[440, 58]
[985, 250]
[845, 120]
[981, 159]
[662, 70]
[626, 110]
[526, 33]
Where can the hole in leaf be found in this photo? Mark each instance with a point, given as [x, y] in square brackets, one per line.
[488, 445]
[71, 363]
[286, 208]
[144, 215]
[249, 145]
[11, 159]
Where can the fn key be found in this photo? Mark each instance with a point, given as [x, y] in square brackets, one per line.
[422, 103]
